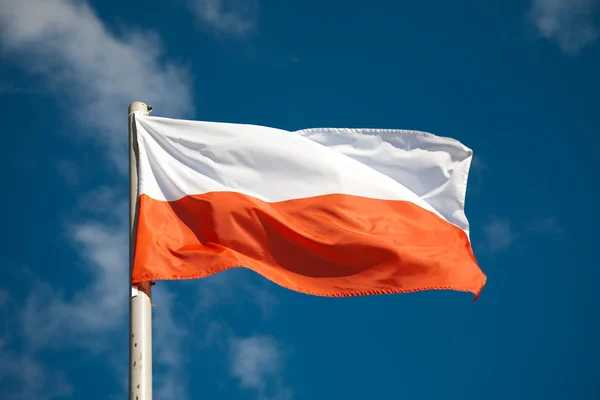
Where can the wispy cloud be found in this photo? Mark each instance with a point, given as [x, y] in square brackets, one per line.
[499, 234]
[68, 170]
[96, 73]
[4, 297]
[101, 72]
[230, 17]
[49, 319]
[570, 23]
[226, 287]
[11, 88]
[27, 378]
[478, 164]
[547, 225]
[22, 375]
[170, 356]
[257, 363]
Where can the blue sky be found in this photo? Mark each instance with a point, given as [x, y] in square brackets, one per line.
[516, 81]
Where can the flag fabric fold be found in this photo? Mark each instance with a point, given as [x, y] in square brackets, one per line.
[329, 212]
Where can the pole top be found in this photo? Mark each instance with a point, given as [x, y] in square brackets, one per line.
[139, 106]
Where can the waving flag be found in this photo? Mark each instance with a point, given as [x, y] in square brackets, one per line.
[329, 212]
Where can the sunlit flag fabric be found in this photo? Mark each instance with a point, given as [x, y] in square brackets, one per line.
[329, 212]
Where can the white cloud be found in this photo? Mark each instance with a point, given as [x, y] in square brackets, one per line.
[499, 234]
[570, 23]
[22, 375]
[69, 171]
[477, 163]
[170, 357]
[51, 320]
[102, 72]
[4, 297]
[234, 18]
[257, 362]
[227, 287]
[10, 88]
[547, 225]
[30, 379]
[254, 359]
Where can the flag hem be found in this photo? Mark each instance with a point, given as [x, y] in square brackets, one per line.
[356, 293]
[385, 131]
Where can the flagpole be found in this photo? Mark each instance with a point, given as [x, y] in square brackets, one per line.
[140, 304]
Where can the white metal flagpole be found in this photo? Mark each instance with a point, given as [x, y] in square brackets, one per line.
[140, 304]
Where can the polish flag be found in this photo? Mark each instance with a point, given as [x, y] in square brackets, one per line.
[327, 212]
